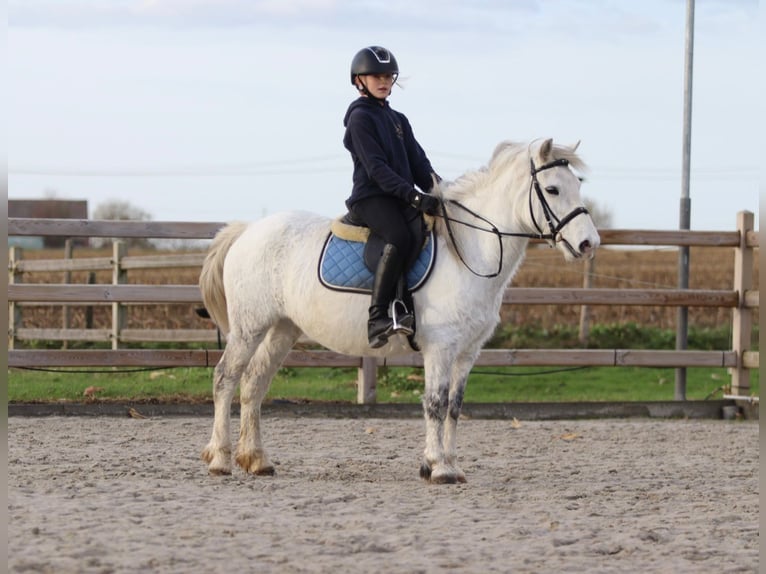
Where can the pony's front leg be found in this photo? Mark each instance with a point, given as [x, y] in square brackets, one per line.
[435, 467]
[457, 391]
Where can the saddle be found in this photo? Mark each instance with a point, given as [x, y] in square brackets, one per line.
[350, 256]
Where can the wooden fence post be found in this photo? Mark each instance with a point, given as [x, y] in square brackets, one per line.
[742, 317]
[14, 309]
[367, 381]
[65, 309]
[89, 309]
[119, 276]
[587, 283]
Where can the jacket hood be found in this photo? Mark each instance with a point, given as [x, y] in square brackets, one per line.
[359, 103]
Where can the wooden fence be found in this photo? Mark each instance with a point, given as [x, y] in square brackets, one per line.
[742, 299]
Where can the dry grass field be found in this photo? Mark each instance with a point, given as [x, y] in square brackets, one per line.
[711, 268]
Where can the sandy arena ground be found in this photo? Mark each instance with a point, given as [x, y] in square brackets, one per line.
[103, 494]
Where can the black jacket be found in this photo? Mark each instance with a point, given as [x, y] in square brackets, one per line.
[387, 158]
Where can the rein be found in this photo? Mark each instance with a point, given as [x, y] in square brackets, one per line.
[555, 225]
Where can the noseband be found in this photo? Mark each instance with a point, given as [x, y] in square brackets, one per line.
[555, 225]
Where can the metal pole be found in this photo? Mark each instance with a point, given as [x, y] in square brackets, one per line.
[685, 207]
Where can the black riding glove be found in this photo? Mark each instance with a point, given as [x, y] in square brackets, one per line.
[424, 202]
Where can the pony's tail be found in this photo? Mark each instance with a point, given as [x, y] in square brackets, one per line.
[211, 276]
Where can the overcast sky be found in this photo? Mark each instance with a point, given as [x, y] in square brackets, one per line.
[214, 110]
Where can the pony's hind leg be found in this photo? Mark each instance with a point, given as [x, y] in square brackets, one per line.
[251, 455]
[217, 453]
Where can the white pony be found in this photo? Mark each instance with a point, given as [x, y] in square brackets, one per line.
[259, 283]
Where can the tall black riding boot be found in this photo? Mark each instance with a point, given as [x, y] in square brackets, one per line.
[380, 325]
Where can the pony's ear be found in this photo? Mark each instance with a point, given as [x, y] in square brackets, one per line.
[436, 189]
[545, 149]
[575, 146]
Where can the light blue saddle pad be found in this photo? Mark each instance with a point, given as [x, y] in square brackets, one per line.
[341, 266]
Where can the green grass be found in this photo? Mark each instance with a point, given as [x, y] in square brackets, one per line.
[395, 385]
[404, 385]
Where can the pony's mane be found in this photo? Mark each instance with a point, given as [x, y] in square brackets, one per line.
[505, 153]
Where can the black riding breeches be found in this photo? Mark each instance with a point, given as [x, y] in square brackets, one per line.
[390, 218]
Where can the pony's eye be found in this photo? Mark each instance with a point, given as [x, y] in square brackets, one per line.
[552, 189]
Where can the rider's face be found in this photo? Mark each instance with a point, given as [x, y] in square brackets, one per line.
[379, 85]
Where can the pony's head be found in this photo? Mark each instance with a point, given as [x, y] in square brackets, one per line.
[555, 208]
[529, 189]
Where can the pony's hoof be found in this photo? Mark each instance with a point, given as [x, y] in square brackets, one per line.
[446, 476]
[425, 471]
[218, 461]
[443, 479]
[255, 464]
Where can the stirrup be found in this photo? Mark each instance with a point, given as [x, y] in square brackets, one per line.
[404, 321]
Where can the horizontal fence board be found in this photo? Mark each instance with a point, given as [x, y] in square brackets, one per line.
[70, 293]
[588, 357]
[82, 264]
[169, 335]
[126, 335]
[62, 304]
[675, 238]
[206, 230]
[107, 228]
[112, 358]
[150, 294]
[752, 298]
[90, 335]
[646, 358]
[551, 357]
[106, 263]
[487, 358]
[161, 358]
[162, 261]
[580, 296]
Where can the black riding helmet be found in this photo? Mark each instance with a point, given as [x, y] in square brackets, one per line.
[373, 60]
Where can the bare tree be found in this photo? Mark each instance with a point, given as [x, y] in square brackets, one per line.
[118, 210]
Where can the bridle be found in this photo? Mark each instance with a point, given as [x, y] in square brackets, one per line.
[555, 225]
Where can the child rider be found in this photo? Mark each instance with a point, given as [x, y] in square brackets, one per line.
[388, 164]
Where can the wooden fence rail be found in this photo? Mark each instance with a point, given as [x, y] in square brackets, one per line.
[68, 293]
[740, 359]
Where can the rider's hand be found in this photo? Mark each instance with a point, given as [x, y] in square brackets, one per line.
[424, 202]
